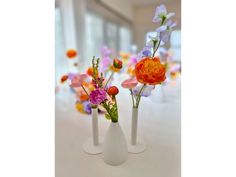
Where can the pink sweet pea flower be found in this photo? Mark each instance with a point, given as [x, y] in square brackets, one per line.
[130, 83]
[77, 80]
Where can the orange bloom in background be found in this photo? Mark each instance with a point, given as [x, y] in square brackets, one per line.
[71, 53]
[124, 56]
[150, 71]
[90, 71]
[64, 78]
[83, 97]
[112, 68]
[131, 71]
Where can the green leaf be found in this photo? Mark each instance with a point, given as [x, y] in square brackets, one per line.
[107, 116]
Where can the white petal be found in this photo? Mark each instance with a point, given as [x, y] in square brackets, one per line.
[170, 15]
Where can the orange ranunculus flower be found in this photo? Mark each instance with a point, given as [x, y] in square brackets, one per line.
[71, 53]
[150, 71]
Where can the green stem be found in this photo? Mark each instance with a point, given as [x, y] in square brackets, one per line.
[108, 111]
[114, 97]
[139, 95]
[109, 79]
[158, 45]
[84, 89]
[132, 96]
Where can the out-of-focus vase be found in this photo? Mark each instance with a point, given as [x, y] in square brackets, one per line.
[93, 144]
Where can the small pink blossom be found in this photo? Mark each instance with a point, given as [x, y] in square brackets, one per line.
[130, 83]
[77, 80]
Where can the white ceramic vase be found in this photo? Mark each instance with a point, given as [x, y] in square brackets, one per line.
[93, 145]
[136, 145]
[115, 150]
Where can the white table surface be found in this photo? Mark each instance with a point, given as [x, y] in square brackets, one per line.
[159, 125]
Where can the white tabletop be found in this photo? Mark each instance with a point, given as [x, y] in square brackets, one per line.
[159, 125]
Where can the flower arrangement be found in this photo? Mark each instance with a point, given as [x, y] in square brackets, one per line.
[103, 94]
[146, 69]
[82, 84]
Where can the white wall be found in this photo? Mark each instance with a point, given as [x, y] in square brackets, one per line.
[143, 19]
[124, 7]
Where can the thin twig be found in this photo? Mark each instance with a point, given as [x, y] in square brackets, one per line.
[132, 96]
[84, 89]
[139, 95]
[109, 79]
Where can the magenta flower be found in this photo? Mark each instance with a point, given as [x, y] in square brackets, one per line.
[130, 83]
[97, 96]
[77, 80]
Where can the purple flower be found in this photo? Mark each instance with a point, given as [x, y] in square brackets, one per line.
[165, 31]
[145, 52]
[106, 63]
[87, 107]
[161, 14]
[97, 96]
[71, 76]
[146, 90]
[105, 51]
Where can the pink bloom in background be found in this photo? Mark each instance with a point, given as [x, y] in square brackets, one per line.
[77, 80]
[106, 63]
[97, 96]
[105, 51]
[132, 61]
[130, 83]
[175, 68]
[71, 75]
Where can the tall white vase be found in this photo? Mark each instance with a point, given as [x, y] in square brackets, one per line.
[93, 145]
[136, 145]
[115, 151]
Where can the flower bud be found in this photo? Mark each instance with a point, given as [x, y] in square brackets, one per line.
[64, 78]
[117, 63]
[71, 53]
[113, 90]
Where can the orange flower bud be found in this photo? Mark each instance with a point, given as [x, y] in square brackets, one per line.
[71, 53]
[90, 71]
[117, 63]
[113, 90]
[64, 78]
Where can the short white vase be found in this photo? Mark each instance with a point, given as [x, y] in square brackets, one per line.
[136, 145]
[93, 145]
[114, 148]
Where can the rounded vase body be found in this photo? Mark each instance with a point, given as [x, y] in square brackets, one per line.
[115, 150]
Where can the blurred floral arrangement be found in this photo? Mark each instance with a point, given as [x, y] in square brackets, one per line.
[145, 69]
[173, 69]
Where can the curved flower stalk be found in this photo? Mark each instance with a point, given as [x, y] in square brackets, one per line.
[149, 71]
